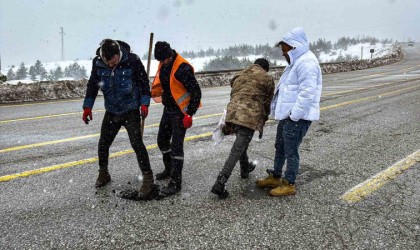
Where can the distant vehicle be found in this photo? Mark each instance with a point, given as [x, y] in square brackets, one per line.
[410, 43]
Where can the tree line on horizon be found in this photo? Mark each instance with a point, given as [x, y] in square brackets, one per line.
[38, 72]
[227, 58]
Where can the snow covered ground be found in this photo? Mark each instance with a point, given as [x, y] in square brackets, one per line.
[353, 51]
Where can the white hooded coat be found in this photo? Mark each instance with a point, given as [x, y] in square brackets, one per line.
[298, 92]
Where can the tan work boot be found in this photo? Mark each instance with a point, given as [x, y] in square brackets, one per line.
[147, 186]
[270, 181]
[284, 189]
[103, 178]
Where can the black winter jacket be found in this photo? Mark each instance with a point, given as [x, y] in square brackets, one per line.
[125, 87]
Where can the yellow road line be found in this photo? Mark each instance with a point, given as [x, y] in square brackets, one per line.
[370, 87]
[47, 143]
[102, 110]
[41, 103]
[57, 115]
[42, 117]
[207, 116]
[76, 163]
[83, 137]
[380, 74]
[368, 98]
[367, 187]
[199, 117]
[85, 161]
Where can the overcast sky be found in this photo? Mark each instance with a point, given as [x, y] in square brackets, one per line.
[30, 29]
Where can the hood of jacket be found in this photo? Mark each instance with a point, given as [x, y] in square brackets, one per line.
[125, 49]
[297, 39]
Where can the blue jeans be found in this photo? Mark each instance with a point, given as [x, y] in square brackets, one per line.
[288, 139]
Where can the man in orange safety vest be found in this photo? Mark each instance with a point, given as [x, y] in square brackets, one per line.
[176, 87]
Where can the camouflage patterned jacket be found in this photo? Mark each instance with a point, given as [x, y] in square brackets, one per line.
[250, 98]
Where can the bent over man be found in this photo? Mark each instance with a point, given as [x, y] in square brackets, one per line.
[121, 76]
[176, 87]
[295, 105]
[247, 111]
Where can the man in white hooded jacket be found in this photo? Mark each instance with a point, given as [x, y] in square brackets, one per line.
[295, 105]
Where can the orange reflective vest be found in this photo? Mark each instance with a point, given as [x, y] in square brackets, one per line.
[178, 91]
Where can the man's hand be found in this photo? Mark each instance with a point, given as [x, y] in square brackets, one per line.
[87, 114]
[144, 111]
[187, 121]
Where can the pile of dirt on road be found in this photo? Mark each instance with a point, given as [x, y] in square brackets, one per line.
[42, 91]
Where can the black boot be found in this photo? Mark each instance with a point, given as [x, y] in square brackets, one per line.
[173, 187]
[103, 178]
[245, 170]
[219, 186]
[168, 167]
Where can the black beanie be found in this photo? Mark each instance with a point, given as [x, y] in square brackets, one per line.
[162, 51]
[263, 63]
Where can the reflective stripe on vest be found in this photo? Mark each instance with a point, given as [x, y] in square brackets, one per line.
[183, 97]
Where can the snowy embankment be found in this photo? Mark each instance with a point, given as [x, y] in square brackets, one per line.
[46, 90]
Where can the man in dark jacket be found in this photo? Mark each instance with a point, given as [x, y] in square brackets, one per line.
[176, 87]
[247, 111]
[121, 76]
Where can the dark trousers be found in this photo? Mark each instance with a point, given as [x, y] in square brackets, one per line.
[288, 139]
[171, 140]
[111, 124]
[239, 149]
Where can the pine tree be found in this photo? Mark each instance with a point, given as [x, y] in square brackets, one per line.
[22, 72]
[38, 67]
[58, 73]
[42, 73]
[76, 71]
[32, 73]
[10, 74]
[40, 70]
[50, 76]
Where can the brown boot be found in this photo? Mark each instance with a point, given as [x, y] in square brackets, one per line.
[285, 189]
[103, 178]
[270, 181]
[147, 186]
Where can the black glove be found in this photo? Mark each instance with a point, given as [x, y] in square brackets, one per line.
[227, 129]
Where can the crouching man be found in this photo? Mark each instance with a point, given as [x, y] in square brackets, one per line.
[247, 111]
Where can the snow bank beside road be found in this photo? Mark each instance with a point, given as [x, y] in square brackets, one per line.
[75, 89]
[41, 91]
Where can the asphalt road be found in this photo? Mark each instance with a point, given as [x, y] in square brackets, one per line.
[370, 120]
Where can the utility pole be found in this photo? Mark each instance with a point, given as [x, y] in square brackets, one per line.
[361, 53]
[0, 63]
[62, 43]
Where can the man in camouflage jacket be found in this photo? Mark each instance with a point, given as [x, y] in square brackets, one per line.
[247, 111]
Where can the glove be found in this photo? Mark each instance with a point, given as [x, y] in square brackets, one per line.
[87, 113]
[144, 111]
[187, 121]
[228, 129]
